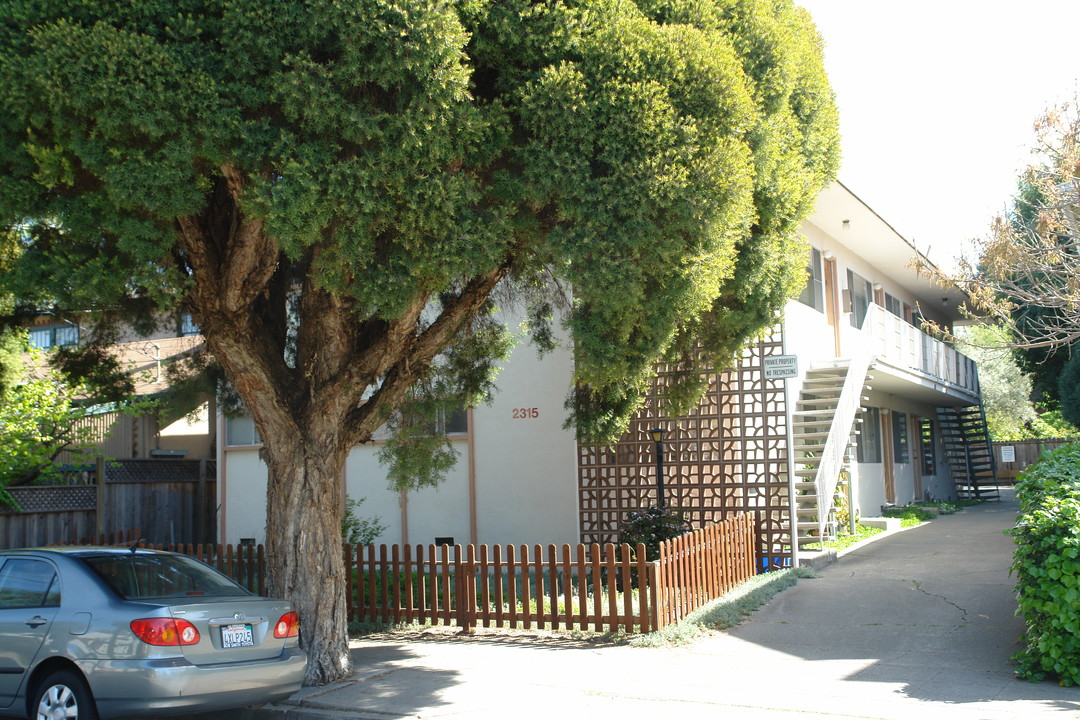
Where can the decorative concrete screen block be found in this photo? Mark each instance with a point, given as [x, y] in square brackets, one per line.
[728, 455]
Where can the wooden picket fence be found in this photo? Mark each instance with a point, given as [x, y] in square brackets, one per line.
[599, 588]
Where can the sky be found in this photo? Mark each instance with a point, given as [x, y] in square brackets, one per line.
[937, 105]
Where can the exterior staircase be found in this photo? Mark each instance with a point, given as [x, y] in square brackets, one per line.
[969, 452]
[822, 427]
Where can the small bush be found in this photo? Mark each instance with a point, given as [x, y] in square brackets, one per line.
[909, 516]
[356, 530]
[1046, 563]
[651, 527]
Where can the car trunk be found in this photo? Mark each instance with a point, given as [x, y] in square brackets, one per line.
[232, 629]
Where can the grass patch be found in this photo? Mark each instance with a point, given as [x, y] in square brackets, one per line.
[727, 611]
[842, 542]
[910, 516]
[947, 507]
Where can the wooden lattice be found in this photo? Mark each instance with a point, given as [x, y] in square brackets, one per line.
[729, 455]
[50, 498]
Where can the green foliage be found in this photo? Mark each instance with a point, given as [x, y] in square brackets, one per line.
[845, 539]
[651, 527]
[40, 418]
[1046, 564]
[356, 530]
[1069, 390]
[37, 423]
[1006, 389]
[909, 516]
[657, 157]
[1052, 424]
[1044, 365]
[841, 507]
[12, 369]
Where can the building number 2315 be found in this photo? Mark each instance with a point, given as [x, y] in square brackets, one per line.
[526, 413]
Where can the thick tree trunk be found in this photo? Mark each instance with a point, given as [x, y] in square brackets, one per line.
[310, 410]
[303, 536]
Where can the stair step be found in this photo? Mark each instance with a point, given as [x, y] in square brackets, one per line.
[816, 402]
[812, 422]
[815, 413]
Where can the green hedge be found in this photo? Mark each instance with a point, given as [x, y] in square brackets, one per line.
[1047, 566]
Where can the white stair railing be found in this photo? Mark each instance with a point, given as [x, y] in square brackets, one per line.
[847, 408]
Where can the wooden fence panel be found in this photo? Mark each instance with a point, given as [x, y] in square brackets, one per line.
[685, 562]
[606, 588]
[45, 528]
[1025, 453]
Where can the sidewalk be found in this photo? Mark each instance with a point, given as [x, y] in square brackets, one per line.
[918, 624]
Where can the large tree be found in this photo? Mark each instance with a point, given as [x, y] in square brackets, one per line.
[1026, 274]
[337, 191]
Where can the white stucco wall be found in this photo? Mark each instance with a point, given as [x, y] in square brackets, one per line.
[241, 495]
[526, 463]
[871, 489]
[518, 483]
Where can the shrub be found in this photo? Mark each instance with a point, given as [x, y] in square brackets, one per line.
[651, 527]
[356, 530]
[909, 516]
[1046, 563]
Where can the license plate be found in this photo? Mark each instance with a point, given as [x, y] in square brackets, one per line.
[239, 635]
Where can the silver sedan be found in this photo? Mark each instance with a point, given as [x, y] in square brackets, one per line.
[110, 633]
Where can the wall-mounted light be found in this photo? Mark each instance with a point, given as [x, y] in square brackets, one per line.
[827, 255]
[877, 286]
[846, 224]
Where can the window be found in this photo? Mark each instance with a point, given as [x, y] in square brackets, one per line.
[28, 583]
[901, 452]
[927, 450]
[868, 445]
[447, 421]
[813, 294]
[149, 577]
[859, 294]
[49, 336]
[241, 430]
[894, 305]
[455, 422]
[188, 326]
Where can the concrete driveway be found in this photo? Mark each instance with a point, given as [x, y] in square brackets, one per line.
[918, 624]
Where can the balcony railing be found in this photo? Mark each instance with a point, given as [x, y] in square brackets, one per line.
[903, 345]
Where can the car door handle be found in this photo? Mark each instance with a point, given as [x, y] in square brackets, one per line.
[36, 620]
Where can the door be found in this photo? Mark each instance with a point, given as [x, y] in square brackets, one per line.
[29, 600]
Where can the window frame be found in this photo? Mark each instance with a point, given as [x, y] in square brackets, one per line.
[859, 301]
[813, 293]
[928, 447]
[895, 306]
[868, 441]
[50, 596]
[901, 438]
[54, 330]
[231, 429]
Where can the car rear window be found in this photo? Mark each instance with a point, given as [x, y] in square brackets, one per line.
[152, 577]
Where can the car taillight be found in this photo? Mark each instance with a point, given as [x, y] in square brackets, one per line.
[165, 631]
[288, 626]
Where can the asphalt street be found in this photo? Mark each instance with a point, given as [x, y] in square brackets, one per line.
[918, 624]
